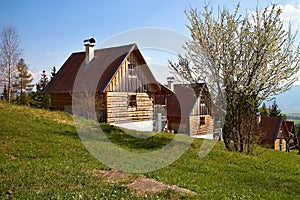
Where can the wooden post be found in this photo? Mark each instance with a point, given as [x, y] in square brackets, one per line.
[158, 122]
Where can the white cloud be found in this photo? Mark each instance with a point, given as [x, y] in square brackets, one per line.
[148, 59]
[291, 13]
[50, 53]
[298, 81]
[35, 76]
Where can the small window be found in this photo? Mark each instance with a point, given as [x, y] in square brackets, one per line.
[131, 70]
[132, 101]
[203, 110]
[202, 121]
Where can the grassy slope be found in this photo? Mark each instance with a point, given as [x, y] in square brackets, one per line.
[42, 157]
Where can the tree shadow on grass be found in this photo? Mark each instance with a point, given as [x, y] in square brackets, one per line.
[124, 138]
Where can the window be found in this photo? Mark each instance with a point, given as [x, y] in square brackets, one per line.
[132, 101]
[202, 121]
[131, 70]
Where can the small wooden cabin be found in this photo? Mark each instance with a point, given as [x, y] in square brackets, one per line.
[189, 109]
[125, 86]
[277, 133]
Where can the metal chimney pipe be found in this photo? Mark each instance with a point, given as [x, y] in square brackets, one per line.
[89, 49]
[170, 81]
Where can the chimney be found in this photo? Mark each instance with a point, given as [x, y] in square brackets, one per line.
[170, 81]
[89, 49]
[258, 116]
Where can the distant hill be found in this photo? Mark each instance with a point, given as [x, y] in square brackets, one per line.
[289, 102]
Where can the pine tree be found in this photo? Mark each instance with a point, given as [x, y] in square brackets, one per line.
[36, 97]
[53, 73]
[39, 99]
[23, 81]
[274, 110]
[44, 80]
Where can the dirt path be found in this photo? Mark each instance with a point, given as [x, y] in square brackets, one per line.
[141, 185]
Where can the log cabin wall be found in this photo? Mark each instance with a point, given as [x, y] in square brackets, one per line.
[125, 107]
[197, 122]
[280, 144]
[201, 124]
[62, 102]
[200, 120]
[100, 107]
[127, 78]
[127, 96]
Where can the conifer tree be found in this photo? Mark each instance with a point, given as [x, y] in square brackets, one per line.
[23, 81]
[44, 80]
[274, 110]
[39, 99]
[53, 73]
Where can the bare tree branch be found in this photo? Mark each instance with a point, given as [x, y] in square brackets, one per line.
[10, 53]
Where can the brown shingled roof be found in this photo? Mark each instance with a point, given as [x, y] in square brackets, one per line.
[271, 127]
[63, 81]
[105, 64]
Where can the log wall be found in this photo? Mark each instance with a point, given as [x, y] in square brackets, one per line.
[198, 128]
[201, 110]
[119, 110]
[100, 107]
[278, 143]
[61, 101]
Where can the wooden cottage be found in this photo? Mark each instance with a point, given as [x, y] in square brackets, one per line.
[189, 109]
[124, 90]
[277, 133]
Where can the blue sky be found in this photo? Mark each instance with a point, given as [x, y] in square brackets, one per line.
[51, 30]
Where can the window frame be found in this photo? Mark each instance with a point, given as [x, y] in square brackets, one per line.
[202, 121]
[131, 70]
[132, 101]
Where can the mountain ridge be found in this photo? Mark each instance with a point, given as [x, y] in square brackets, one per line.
[289, 101]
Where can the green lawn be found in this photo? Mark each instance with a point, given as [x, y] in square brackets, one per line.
[42, 157]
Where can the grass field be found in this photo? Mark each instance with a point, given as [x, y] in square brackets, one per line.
[296, 121]
[42, 157]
